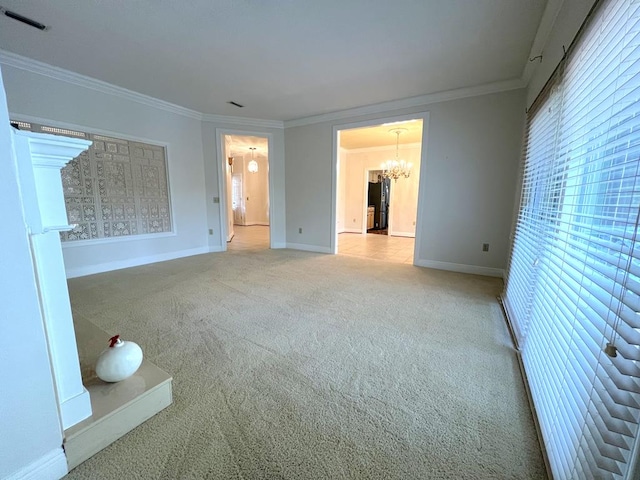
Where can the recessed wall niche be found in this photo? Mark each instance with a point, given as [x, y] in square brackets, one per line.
[117, 188]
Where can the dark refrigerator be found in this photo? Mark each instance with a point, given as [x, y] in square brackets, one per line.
[379, 198]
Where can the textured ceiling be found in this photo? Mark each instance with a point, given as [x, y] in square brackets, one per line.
[381, 135]
[282, 59]
[240, 145]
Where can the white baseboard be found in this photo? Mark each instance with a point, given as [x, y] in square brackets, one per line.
[278, 245]
[215, 249]
[402, 234]
[308, 248]
[51, 466]
[461, 268]
[351, 230]
[133, 262]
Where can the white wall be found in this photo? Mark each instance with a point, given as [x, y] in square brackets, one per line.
[472, 156]
[404, 192]
[29, 422]
[57, 102]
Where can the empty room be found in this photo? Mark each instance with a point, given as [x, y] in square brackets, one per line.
[320, 240]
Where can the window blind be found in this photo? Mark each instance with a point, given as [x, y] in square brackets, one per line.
[572, 293]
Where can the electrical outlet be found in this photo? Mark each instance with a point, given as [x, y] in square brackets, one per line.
[354, 220]
[300, 230]
[211, 231]
[485, 247]
[216, 199]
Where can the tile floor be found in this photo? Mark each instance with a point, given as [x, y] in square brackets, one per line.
[379, 247]
[253, 237]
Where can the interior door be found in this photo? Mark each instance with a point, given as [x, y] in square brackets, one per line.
[237, 200]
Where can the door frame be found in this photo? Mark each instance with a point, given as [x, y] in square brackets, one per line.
[424, 116]
[222, 179]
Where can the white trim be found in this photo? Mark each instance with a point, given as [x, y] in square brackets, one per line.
[245, 121]
[221, 153]
[215, 249]
[34, 66]
[402, 234]
[422, 100]
[422, 174]
[57, 73]
[51, 466]
[278, 245]
[133, 262]
[24, 63]
[123, 238]
[123, 136]
[351, 230]
[461, 268]
[545, 27]
[75, 409]
[308, 248]
[83, 129]
[335, 138]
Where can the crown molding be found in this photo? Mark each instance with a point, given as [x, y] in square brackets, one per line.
[40, 68]
[251, 122]
[385, 107]
[57, 73]
[34, 66]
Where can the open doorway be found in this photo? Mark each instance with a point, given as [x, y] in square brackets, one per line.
[377, 179]
[246, 195]
[378, 191]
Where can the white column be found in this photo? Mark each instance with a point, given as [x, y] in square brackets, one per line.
[40, 159]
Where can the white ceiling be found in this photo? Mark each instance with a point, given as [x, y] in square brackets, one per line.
[240, 145]
[283, 59]
[382, 135]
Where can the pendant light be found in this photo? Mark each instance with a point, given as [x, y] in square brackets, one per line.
[397, 168]
[253, 165]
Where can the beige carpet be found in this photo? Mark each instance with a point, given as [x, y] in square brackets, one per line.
[293, 365]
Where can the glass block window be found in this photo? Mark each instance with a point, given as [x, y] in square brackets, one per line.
[117, 188]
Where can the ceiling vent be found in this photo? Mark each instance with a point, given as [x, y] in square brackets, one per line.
[23, 19]
[235, 104]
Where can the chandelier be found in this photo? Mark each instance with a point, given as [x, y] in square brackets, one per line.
[253, 165]
[396, 168]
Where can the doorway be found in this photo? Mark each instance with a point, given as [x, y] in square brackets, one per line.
[376, 183]
[378, 191]
[246, 189]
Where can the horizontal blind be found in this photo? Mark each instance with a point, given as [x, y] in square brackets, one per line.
[573, 288]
